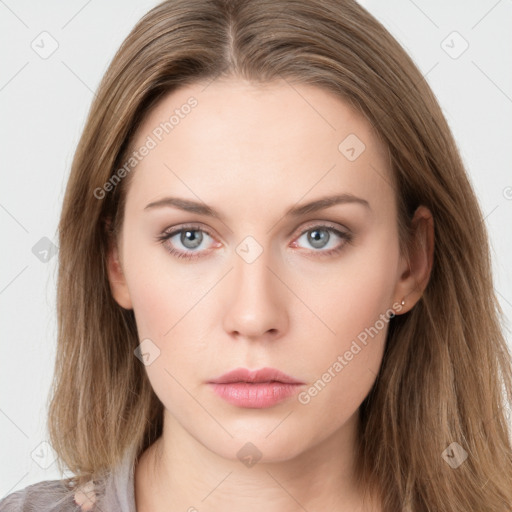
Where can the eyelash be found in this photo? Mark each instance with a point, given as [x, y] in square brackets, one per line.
[165, 236]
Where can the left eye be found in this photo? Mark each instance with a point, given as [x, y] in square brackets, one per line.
[320, 236]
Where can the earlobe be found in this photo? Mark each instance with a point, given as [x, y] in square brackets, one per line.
[416, 270]
[117, 280]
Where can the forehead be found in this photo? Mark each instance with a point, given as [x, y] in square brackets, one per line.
[220, 139]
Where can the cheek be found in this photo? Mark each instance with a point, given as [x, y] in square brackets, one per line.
[170, 311]
[356, 306]
[163, 292]
[352, 294]
[173, 307]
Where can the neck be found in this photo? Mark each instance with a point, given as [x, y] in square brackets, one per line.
[179, 473]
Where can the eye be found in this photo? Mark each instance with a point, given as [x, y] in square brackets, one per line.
[192, 238]
[189, 237]
[321, 237]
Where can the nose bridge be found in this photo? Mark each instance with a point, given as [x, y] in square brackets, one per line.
[256, 304]
[252, 264]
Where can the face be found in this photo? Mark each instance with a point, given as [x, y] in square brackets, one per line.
[265, 282]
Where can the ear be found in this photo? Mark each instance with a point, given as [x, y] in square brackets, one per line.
[117, 280]
[415, 271]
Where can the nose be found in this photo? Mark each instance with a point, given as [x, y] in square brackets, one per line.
[256, 307]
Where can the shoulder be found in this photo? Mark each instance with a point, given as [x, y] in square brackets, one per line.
[50, 496]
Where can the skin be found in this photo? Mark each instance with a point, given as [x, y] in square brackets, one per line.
[252, 152]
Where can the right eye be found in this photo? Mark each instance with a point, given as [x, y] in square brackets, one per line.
[189, 237]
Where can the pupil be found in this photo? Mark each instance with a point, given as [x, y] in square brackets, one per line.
[191, 236]
[319, 237]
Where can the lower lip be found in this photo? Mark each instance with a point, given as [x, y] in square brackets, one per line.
[256, 396]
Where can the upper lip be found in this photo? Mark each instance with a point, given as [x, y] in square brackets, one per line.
[254, 376]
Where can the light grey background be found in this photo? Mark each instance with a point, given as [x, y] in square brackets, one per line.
[44, 102]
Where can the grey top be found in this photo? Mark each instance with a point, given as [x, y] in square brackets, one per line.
[115, 493]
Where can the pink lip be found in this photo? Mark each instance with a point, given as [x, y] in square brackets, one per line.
[255, 376]
[255, 389]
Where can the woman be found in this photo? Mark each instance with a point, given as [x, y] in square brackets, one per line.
[274, 283]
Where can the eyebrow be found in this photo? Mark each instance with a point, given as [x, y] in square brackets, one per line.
[202, 209]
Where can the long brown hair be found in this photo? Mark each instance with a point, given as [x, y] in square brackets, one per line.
[446, 375]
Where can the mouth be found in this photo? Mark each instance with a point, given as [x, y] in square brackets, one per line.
[264, 375]
[256, 389]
